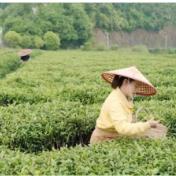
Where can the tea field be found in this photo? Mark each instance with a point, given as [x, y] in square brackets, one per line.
[49, 105]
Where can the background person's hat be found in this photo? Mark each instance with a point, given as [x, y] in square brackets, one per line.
[24, 52]
[145, 88]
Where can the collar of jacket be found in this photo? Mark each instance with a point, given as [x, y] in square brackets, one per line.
[123, 98]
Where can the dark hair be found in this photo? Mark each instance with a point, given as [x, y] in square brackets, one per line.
[118, 81]
[25, 58]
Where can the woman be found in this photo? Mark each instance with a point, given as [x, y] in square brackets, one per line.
[25, 54]
[115, 119]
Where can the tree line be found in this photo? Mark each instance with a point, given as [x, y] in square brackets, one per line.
[70, 25]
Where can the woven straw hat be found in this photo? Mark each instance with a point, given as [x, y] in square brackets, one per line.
[145, 88]
[24, 52]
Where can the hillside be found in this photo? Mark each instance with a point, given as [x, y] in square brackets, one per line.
[166, 37]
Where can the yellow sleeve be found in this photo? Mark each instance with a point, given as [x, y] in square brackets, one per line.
[122, 126]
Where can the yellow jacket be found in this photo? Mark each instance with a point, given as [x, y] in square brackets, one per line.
[116, 115]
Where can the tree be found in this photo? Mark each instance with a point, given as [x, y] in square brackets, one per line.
[81, 22]
[26, 41]
[12, 38]
[38, 42]
[52, 41]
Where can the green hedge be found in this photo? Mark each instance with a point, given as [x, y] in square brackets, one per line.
[118, 157]
[38, 127]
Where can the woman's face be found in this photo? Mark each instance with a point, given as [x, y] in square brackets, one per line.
[129, 89]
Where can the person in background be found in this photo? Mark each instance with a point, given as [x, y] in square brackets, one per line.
[25, 54]
[115, 119]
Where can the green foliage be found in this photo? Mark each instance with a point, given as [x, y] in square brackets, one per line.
[13, 38]
[52, 41]
[26, 41]
[53, 125]
[17, 24]
[9, 62]
[81, 21]
[87, 46]
[38, 42]
[75, 25]
[13, 24]
[90, 9]
[1, 12]
[46, 104]
[171, 50]
[66, 31]
[102, 21]
[20, 9]
[140, 48]
[118, 157]
[101, 47]
[3, 5]
[114, 47]
[161, 50]
[74, 22]
[157, 50]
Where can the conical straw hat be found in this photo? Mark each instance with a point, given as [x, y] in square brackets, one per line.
[145, 88]
[24, 52]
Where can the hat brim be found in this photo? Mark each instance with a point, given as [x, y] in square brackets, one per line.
[145, 88]
[24, 52]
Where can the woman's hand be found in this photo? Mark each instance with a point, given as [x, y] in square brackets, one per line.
[133, 120]
[153, 123]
